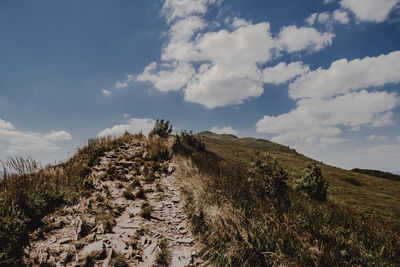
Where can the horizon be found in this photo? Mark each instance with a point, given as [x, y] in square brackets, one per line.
[319, 76]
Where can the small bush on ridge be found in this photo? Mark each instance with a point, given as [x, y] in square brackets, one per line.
[312, 182]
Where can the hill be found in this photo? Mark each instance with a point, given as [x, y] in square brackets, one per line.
[360, 193]
[190, 200]
[380, 174]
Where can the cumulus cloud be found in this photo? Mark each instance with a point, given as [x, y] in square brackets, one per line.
[123, 84]
[340, 16]
[376, 137]
[106, 92]
[294, 39]
[58, 136]
[168, 76]
[133, 126]
[219, 85]
[313, 119]
[344, 76]
[6, 125]
[222, 67]
[284, 72]
[174, 9]
[370, 10]
[328, 18]
[224, 130]
[14, 141]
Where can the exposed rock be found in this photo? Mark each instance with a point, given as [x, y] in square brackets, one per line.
[105, 224]
[95, 250]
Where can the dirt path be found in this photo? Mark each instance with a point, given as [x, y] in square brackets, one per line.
[124, 220]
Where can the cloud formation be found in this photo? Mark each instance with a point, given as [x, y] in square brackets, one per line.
[222, 67]
[106, 92]
[315, 118]
[370, 10]
[345, 76]
[224, 130]
[58, 136]
[376, 137]
[133, 126]
[16, 141]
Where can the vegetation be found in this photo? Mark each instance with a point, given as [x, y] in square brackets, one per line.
[163, 256]
[29, 191]
[376, 173]
[239, 195]
[312, 182]
[161, 128]
[243, 221]
[358, 193]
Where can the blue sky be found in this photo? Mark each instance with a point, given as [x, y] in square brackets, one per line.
[321, 76]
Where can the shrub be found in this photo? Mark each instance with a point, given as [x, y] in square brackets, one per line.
[186, 143]
[163, 256]
[312, 182]
[161, 128]
[268, 178]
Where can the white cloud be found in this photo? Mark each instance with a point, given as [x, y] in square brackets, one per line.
[376, 137]
[293, 39]
[344, 76]
[174, 9]
[324, 17]
[328, 1]
[106, 92]
[331, 140]
[6, 125]
[58, 136]
[125, 83]
[223, 67]
[370, 10]
[398, 138]
[14, 141]
[224, 130]
[220, 85]
[328, 18]
[316, 118]
[171, 76]
[237, 23]
[311, 19]
[133, 126]
[283, 72]
[340, 16]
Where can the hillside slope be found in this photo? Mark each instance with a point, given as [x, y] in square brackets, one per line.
[139, 201]
[368, 196]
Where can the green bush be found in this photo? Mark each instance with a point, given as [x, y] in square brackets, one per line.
[161, 128]
[312, 182]
[186, 143]
[268, 178]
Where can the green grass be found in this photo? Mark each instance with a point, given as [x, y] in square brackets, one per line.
[367, 195]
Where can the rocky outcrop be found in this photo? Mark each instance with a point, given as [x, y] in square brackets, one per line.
[132, 206]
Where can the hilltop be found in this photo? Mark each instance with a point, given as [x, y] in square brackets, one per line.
[359, 192]
[193, 200]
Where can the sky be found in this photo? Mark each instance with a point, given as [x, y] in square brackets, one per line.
[321, 76]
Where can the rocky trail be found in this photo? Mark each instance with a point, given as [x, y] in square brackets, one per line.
[132, 217]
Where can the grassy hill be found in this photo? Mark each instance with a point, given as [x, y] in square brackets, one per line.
[240, 203]
[377, 173]
[367, 195]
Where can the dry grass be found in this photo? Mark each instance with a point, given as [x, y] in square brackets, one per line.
[237, 227]
[29, 191]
